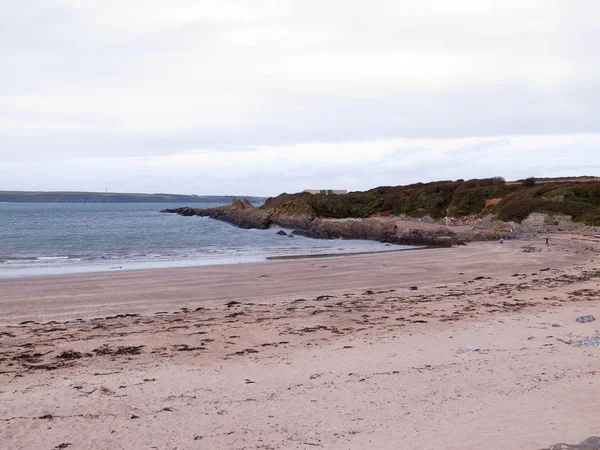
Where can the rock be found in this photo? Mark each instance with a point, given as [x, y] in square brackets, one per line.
[592, 443]
[413, 288]
[589, 341]
[585, 319]
[281, 233]
[555, 325]
[290, 235]
[70, 354]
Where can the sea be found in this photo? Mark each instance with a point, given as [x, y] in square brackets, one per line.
[59, 238]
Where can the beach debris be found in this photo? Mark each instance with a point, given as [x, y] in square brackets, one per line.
[42, 366]
[70, 354]
[591, 443]
[186, 348]
[106, 391]
[585, 319]
[324, 297]
[413, 288]
[555, 325]
[63, 445]
[129, 350]
[232, 303]
[464, 349]
[243, 352]
[313, 329]
[281, 233]
[121, 316]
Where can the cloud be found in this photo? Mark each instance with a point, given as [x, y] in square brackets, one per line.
[269, 170]
[113, 81]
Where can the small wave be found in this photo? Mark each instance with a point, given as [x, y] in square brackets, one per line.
[52, 258]
[17, 258]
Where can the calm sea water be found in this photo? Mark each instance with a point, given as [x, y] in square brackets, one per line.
[50, 238]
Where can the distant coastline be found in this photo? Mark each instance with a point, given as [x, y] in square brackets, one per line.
[112, 197]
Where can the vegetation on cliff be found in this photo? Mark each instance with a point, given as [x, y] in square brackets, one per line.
[508, 201]
[580, 201]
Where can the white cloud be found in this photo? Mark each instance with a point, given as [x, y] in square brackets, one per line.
[280, 84]
[268, 170]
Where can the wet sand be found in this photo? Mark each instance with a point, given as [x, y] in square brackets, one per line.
[443, 348]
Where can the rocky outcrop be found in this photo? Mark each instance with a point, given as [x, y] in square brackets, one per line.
[240, 213]
[243, 214]
[591, 443]
[379, 230]
[396, 230]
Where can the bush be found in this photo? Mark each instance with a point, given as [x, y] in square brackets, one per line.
[529, 182]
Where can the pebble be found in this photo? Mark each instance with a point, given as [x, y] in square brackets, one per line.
[585, 319]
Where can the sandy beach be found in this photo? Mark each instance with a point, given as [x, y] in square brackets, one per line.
[472, 347]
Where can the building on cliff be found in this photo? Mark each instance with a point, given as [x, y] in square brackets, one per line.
[326, 191]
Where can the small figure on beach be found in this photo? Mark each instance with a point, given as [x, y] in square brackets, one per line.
[501, 241]
[547, 241]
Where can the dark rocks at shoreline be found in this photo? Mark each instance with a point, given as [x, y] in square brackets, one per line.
[591, 443]
[243, 214]
[186, 211]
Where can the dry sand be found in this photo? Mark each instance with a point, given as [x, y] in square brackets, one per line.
[360, 352]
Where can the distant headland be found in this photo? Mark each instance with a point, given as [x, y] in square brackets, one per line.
[112, 197]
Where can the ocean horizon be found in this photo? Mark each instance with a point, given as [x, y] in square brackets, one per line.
[61, 238]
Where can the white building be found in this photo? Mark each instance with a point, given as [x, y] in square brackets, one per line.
[326, 191]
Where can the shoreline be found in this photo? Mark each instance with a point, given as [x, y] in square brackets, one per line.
[449, 348]
[7, 272]
[334, 255]
[78, 295]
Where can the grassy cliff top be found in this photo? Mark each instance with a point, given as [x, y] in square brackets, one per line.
[577, 197]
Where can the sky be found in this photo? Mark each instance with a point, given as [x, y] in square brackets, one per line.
[263, 97]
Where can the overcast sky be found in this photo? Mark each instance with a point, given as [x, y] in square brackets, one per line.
[263, 97]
